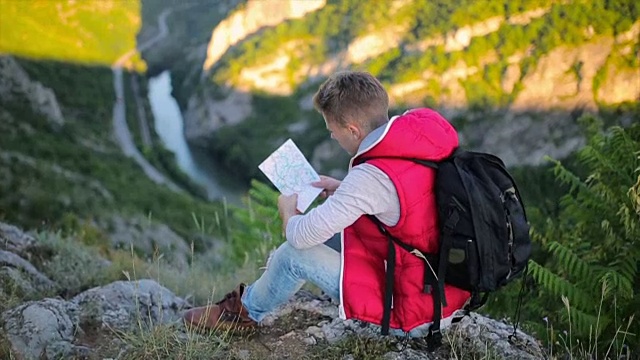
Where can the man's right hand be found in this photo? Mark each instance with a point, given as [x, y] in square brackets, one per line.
[329, 185]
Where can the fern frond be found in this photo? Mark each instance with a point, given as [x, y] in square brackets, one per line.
[564, 176]
[597, 160]
[559, 286]
[575, 266]
[619, 285]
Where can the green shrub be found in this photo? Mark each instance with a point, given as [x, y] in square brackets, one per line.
[589, 279]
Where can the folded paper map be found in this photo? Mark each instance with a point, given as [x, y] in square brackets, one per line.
[291, 173]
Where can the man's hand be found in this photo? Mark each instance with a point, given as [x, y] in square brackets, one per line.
[329, 185]
[287, 207]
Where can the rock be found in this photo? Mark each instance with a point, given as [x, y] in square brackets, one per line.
[207, 112]
[315, 332]
[525, 138]
[120, 305]
[15, 81]
[149, 239]
[329, 155]
[45, 327]
[251, 18]
[19, 273]
[15, 284]
[288, 335]
[14, 240]
[48, 328]
[474, 335]
[67, 350]
[243, 354]
[310, 340]
[410, 354]
[304, 300]
[481, 335]
[375, 43]
[555, 83]
[461, 38]
[306, 102]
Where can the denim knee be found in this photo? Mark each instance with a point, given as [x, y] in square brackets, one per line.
[281, 256]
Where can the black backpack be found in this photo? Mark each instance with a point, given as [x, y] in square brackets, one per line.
[484, 233]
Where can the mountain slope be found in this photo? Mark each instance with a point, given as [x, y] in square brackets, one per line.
[509, 70]
[62, 165]
[87, 32]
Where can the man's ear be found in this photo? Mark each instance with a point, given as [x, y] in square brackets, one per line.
[355, 131]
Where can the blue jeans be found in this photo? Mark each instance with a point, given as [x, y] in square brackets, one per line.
[287, 270]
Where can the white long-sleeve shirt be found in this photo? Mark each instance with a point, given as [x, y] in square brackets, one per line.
[365, 190]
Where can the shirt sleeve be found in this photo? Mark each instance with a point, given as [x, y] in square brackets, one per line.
[365, 190]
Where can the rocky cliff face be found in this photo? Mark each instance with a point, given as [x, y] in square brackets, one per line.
[250, 18]
[562, 79]
[206, 112]
[135, 319]
[14, 81]
[545, 94]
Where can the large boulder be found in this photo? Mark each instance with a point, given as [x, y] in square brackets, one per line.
[123, 305]
[55, 328]
[41, 329]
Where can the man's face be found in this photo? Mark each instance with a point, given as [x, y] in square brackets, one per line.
[348, 137]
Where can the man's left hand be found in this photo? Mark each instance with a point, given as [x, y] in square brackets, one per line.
[287, 207]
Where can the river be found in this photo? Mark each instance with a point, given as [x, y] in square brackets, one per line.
[195, 162]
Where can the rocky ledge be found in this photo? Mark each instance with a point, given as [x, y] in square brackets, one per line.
[123, 320]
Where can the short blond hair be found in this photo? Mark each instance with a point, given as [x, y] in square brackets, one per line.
[353, 96]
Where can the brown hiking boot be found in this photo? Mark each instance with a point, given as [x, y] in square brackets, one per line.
[226, 314]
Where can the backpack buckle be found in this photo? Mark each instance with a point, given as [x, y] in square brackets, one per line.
[434, 340]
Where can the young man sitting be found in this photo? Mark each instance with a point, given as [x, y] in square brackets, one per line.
[399, 193]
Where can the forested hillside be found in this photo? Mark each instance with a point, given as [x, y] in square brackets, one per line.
[494, 68]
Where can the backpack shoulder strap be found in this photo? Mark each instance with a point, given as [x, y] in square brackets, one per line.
[428, 163]
[431, 281]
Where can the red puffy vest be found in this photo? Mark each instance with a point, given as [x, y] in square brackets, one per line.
[422, 134]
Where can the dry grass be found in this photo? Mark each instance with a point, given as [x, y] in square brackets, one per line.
[364, 348]
[5, 348]
[171, 342]
[568, 347]
[458, 349]
[199, 284]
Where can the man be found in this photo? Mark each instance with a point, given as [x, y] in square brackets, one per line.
[399, 193]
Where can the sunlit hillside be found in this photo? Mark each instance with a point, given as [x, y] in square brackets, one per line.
[92, 32]
[473, 60]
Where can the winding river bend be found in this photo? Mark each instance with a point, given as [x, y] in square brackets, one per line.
[193, 161]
